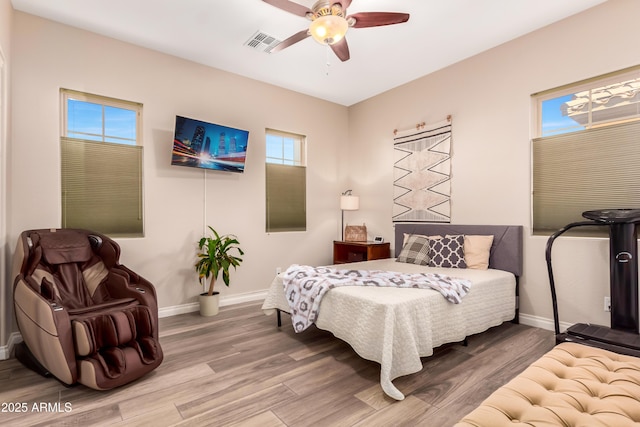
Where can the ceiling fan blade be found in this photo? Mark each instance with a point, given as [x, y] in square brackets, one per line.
[289, 6]
[341, 49]
[299, 36]
[377, 19]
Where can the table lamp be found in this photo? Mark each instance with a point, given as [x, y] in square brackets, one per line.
[348, 202]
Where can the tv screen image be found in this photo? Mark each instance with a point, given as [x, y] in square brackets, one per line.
[209, 146]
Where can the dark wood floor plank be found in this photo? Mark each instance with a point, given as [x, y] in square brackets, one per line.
[239, 369]
[450, 384]
[457, 394]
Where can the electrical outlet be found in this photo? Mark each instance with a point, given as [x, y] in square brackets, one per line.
[607, 303]
[278, 270]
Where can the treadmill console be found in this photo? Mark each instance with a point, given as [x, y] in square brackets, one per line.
[613, 215]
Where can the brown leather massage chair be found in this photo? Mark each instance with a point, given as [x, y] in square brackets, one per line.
[84, 317]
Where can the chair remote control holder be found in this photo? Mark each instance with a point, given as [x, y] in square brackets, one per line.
[623, 265]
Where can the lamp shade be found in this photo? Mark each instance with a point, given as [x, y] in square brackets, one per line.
[349, 203]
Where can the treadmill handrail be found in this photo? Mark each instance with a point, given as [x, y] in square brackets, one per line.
[552, 238]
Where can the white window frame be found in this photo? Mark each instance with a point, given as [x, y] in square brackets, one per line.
[299, 155]
[583, 86]
[68, 94]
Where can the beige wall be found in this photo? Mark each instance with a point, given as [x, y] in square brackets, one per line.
[6, 20]
[489, 98]
[49, 56]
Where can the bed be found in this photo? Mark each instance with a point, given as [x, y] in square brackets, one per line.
[396, 327]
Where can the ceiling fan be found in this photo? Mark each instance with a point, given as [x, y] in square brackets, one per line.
[330, 22]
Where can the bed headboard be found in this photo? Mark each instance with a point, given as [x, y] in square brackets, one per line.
[506, 250]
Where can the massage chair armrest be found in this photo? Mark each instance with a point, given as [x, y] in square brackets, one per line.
[50, 339]
[136, 279]
[44, 289]
[123, 283]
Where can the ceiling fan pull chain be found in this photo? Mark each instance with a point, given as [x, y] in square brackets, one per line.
[328, 63]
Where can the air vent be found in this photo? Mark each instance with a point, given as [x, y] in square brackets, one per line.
[262, 42]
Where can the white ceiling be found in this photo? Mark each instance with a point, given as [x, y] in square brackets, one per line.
[214, 33]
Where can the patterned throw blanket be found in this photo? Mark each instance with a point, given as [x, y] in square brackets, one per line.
[304, 287]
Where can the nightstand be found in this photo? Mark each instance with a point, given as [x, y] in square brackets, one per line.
[344, 252]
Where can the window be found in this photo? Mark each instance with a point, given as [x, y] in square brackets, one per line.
[101, 164]
[587, 149]
[285, 182]
[285, 148]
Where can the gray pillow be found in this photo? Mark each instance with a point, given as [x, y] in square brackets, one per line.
[447, 252]
[415, 250]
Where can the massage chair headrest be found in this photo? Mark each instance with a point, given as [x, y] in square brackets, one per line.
[65, 246]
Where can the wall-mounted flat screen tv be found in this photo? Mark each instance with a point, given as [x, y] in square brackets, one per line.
[209, 146]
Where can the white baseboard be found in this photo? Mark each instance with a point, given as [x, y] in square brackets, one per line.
[5, 350]
[541, 322]
[224, 301]
[178, 309]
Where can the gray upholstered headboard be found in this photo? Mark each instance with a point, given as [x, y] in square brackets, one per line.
[506, 250]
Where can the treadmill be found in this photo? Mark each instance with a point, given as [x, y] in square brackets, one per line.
[623, 335]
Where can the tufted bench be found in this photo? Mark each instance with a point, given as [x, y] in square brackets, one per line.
[571, 385]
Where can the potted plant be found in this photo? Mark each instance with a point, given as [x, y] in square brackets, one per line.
[215, 255]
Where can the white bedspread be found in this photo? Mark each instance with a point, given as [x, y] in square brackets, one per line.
[304, 287]
[396, 327]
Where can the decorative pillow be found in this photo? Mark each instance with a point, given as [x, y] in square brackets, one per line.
[447, 252]
[415, 250]
[407, 235]
[477, 250]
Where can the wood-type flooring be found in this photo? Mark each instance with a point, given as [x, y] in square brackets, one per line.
[239, 369]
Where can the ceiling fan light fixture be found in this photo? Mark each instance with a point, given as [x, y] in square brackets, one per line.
[330, 23]
[328, 29]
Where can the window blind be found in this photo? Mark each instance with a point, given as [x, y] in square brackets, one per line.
[286, 198]
[102, 187]
[597, 168]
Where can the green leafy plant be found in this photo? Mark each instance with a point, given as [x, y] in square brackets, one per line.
[215, 255]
